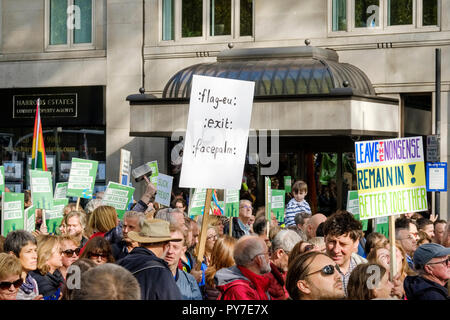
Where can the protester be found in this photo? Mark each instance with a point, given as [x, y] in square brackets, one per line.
[219, 223]
[431, 262]
[427, 226]
[48, 277]
[424, 238]
[70, 250]
[221, 257]
[102, 220]
[282, 245]
[342, 234]
[314, 276]
[187, 284]
[260, 229]
[297, 204]
[146, 262]
[92, 205]
[132, 221]
[375, 239]
[180, 204]
[74, 274]
[108, 282]
[446, 237]
[99, 250]
[24, 246]
[300, 248]
[2, 241]
[319, 244]
[439, 229]
[408, 243]
[370, 281]
[410, 224]
[211, 238]
[174, 216]
[10, 276]
[240, 225]
[187, 261]
[75, 222]
[300, 219]
[245, 280]
[312, 224]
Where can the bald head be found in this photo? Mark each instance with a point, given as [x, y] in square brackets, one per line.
[251, 252]
[313, 223]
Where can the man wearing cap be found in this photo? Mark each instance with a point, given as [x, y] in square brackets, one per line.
[147, 264]
[432, 266]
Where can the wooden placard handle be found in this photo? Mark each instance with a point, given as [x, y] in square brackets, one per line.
[203, 231]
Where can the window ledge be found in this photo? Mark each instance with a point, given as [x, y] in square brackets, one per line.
[380, 31]
[57, 55]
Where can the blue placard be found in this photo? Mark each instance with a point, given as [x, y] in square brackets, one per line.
[436, 176]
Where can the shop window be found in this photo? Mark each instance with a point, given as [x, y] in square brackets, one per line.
[204, 19]
[362, 16]
[69, 23]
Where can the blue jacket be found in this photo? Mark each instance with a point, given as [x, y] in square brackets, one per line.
[188, 286]
[152, 273]
[419, 288]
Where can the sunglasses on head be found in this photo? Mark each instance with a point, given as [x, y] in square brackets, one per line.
[328, 270]
[69, 252]
[6, 284]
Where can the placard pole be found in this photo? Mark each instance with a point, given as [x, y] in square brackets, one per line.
[203, 231]
[78, 204]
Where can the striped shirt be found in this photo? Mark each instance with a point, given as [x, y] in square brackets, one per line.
[292, 208]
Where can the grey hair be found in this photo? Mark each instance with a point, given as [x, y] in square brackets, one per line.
[108, 282]
[301, 217]
[246, 249]
[135, 214]
[286, 240]
[92, 205]
[167, 215]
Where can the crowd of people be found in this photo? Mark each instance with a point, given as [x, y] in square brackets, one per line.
[153, 254]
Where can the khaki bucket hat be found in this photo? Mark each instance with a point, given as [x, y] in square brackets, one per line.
[153, 231]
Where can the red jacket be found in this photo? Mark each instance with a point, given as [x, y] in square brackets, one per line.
[277, 289]
[97, 234]
[234, 285]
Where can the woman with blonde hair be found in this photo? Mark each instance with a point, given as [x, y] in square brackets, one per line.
[10, 276]
[47, 275]
[221, 257]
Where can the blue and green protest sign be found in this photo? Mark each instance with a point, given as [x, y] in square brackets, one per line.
[12, 212]
[278, 199]
[197, 202]
[82, 178]
[287, 184]
[41, 189]
[390, 177]
[54, 216]
[118, 196]
[61, 190]
[231, 203]
[353, 207]
[382, 226]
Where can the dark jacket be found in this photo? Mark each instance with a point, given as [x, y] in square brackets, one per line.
[236, 232]
[48, 284]
[152, 273]
[419, 288]
[119, 250]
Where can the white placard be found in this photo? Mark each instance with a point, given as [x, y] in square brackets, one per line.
[217, 133]
[164, 189]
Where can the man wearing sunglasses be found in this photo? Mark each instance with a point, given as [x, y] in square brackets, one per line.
[431, 262]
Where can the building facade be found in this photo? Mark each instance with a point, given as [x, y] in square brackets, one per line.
[123, 45]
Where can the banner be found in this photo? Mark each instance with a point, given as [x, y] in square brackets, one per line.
[278, 199]
[217, 133]
[30, 219]
[154, 177]
[287, 184]
[125, 167]
[197, 202]
[118, 196]
[231, 203]
[382, 226]
[12, 212]
[353, 207]
[2, 179]
[390, 177]
[41, 189]
[82, 178]
[164, 189]
[61, 190]
[268, 197]
[54, 216]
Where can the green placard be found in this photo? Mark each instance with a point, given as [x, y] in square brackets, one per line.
[30, 219]
[382, 226]
[197, 203]
[61, 190]
[41, 189]
[2, 179]
[287, 184]
[231, 203]
[154, 177]
[353, 207]
[118, 196]
[54, 216]
[82, 178]
[12, 212]
[268, 197]
[278, 198]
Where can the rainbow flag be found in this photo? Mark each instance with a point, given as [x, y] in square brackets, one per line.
[38, 152]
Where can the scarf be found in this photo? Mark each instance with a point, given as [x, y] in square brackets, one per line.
[259, 281]
[28, 285]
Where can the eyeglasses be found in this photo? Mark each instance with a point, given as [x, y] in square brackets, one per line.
[328, 270]
[445, 262]
[6, 284]
[97, 255]
[69, 252]
[247, 207]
